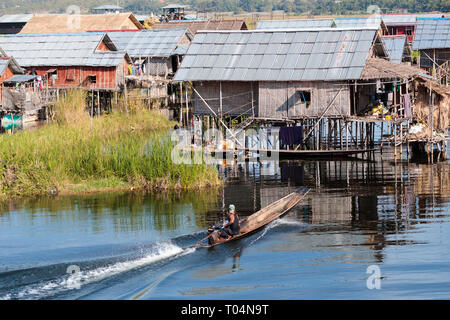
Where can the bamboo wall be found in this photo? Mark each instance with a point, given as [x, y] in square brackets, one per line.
[159, 66]
[327, 208]
[283, 100]
[236, 98]
[5, 76]
[439, 55]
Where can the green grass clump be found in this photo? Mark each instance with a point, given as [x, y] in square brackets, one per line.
[78, 154]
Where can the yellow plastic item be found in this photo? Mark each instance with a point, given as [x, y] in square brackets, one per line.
[388, 117]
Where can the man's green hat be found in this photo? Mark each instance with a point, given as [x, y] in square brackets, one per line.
[231, 208]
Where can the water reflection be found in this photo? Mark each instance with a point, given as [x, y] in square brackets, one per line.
[126, 212]
[358, 212]
[379, 197]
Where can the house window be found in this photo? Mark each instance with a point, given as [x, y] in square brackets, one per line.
[70, 75]
[92, 78]
[409, 31]
[304, 97]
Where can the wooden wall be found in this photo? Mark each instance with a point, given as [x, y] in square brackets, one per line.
[5, 76]
[106, 77]
[283, 100]
[440, 56]
[236, 98]
[159, 66]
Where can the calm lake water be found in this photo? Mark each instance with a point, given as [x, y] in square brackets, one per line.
[365, 224]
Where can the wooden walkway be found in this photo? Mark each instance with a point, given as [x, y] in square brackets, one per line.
[308, 153]
[283, 154]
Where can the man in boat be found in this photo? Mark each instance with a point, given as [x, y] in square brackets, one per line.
[233, 226]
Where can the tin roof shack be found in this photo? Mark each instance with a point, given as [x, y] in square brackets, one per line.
[195, 26]
[13, 23]
[174, 12]
[281, 73]
[432, 39]
[21, 95]
[107, 9]
[87, 60]
[341, 23]
[291, 76]
[8, 68]
[67, 23]
[405, 24]
[157, 51]
[295, 24]
[398, 48]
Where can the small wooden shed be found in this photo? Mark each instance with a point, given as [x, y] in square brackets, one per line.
[157, 52]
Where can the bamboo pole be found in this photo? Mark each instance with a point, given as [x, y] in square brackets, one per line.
[226, 127]
[181, 103]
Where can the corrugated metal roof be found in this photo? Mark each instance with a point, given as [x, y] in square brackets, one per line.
[277, 55]
[407, 19]
[365, 22]
[294, 24]
[71, 49]
[359, 22]
[148, 43]
[175, 6]
[395, 46]
[15, 18]
[432, 33]
[3, 65]
[109, 7]
[21, 78]
[194, 26]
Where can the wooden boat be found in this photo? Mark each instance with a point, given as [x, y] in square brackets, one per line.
[11, 121]
[261, 218]
[11, 118]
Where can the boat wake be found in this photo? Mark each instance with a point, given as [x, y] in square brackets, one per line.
[76, 277]
[276, 223]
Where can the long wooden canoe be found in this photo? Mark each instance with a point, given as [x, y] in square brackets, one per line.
[262, 217]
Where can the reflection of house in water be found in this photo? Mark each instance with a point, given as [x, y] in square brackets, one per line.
[292, 173]
[328, 207]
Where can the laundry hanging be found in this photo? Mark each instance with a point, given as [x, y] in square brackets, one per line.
[291, 135]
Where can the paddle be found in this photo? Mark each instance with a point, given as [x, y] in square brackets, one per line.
[197, 243]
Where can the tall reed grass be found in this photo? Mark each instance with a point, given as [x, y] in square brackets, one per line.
[78, 154]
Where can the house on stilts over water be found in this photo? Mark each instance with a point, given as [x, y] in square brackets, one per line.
[334, 83]
[156, 56]
[62, 61]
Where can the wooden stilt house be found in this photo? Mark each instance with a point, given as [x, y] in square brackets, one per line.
[290, 74]
[73, 60]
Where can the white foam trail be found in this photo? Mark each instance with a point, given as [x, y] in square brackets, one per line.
[76, 280]
[276, 223]
[288, 221]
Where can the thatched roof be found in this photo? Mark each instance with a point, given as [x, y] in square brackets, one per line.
[438, 88]
[377, 68]
[194, 26]
[67, 23]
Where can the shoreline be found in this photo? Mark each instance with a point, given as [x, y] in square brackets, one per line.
[77, 154]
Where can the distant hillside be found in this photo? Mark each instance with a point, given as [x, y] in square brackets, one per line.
[314, 7]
